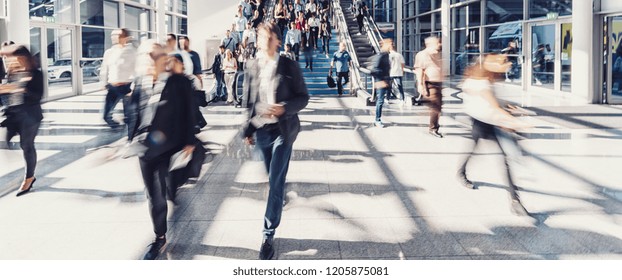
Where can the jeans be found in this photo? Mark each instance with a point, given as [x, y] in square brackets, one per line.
[326, 44]
[400, 87]
[27, 131]
[276, 155]
[380, 94]
[346, 77]
[309, 58]
[296, 50]
[112, 98]
[130, 112]
[220, 84]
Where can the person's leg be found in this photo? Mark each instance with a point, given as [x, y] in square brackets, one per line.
[339, 84]
[154, 174]
[130, 112]
[27, 134]
[229, 83]
[296, 50]
[400, 87]
[381, 92]
[281, 153]
[435, 105]
[111, 101]
[509, 146]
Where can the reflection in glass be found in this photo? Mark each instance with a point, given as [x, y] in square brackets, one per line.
[540, 8]
[182, 24]
[51, 10]
[501, 11]
[35, 44]
[508, 39]
[59, 61]
[566, 55]
[182, 7]
[137, 18]
[543, 56]
[615, 38]
[99, 13]
[425, 23]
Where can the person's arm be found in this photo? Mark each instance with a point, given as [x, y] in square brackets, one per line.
[190, 109]
[103, 70]
[299, 89]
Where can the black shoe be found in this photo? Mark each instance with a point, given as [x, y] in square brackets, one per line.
[23, 192]
[155, 248]
[267, 249]
[435, 133]
[465, 182]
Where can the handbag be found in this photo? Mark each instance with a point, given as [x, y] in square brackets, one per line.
[330, 81]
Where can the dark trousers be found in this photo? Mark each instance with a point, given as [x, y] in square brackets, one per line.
[400, 87]
[276, 155]
[130, 112]
[296, 50]
[27, 128]
[112, 98]
[359, 21]
[326, 44]
[309, 57]
[157, 181]
[505, 141]
[380, 94]
[220, 84]
[346, 78]
[435, 98]
[315, 31]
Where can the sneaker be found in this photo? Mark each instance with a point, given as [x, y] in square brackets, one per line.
[435, 133]
[326, 56]
[267, 249]
[155, 248]
[358, 33]
[508, 80]
[379, 124]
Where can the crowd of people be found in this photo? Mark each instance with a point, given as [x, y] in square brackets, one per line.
[161, 89]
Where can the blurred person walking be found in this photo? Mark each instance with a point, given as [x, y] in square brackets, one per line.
[22, 98]
[117, 73]
[341, 61]
[381, 71]
[216, 68]
[172, 47]
[490, 121]
[229, 68]
[293, 38]
[397, 71]
[171, 131]
[428, 69]
[277, 93]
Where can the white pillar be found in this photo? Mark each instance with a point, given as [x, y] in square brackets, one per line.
[445, 33]
[583, 74]
[18, 22]
[160, 24]
[398, 26]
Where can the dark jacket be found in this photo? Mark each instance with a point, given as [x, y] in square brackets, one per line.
[381, 67]
[173, 124]
[30, 111]
[217, 63]
[291, 92]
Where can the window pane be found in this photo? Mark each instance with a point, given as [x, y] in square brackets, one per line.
[425, 6]
[501, 37]
[51, 10]
[466, 41]
[137, 18]
[168, 5]
[168, 21]
[540, 8]
[500, 11]
[100, 13]
[144, 2]
[425, 23]
[437, 21]
[95, 41]
[182, 24]
[475, 14]
[182, 7]
[459, 17]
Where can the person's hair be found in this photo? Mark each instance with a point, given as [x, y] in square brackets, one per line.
[146, 56]
[289, 46]
[8, 43]
[124, 33]
[477, 69]
[228, 53]
[184, 38]
[270, 30]
[221, 46]
[22, 51]
[171, 36]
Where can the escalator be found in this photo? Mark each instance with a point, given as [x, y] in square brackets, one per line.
[364, 49]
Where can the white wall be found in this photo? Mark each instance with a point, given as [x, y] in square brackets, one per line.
[18, 23]
[208, 19]
[610, 5]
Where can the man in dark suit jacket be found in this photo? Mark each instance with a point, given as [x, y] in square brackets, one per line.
[277, 92]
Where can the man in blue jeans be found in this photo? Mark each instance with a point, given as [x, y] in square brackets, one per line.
[381, 72]
[116, 73]
[277, 92]
[341, 61]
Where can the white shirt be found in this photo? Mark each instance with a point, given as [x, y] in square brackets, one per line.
[311, 8]
[397, 60]
[314, 22]
[267, 84]
[251, 35]
[293, 37]
[118, 65]
[240, 23]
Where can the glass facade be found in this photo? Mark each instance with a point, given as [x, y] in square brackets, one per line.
[74, 34]
[486, 26]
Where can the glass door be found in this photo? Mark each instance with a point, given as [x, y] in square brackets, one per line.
[613, 65]
[54, 49]
[551, 56]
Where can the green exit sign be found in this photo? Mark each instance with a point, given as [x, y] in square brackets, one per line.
[49, 19]
[552, 15]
